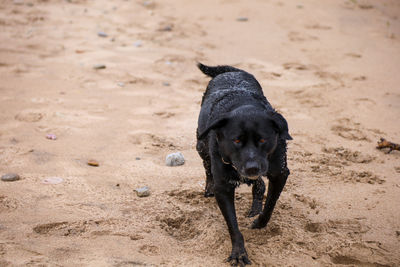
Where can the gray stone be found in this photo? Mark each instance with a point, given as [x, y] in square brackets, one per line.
[102, 34]
[143, 191]
[10, 177]
[166, 83]
[175, 159]
[242, 19]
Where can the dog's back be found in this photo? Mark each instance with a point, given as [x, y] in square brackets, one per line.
[229, 88]
[227, 79]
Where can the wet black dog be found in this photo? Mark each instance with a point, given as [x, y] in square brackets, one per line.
[240, 138]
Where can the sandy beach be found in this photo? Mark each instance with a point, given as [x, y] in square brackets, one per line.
[117, 82]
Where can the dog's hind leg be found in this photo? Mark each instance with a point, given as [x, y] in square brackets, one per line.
[202, 149]
[209, 189]
[258, 191]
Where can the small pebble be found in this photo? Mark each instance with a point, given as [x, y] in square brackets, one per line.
[175, 159]
[167, 28]
[137, 158]
[242, 19]
[99, 66]
[143, 191]
[93, 163]
[166, 84]
[148, 3]
[53, 180]
[398, 233]
[121, 84]
[102, 34]
[10, 177]
[138, 43]
[51, 136]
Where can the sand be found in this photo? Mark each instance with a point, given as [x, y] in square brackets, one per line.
[330, 67]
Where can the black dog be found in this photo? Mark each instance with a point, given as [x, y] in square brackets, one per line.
[240, 138]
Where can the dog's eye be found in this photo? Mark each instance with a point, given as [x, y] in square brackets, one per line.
[262, 140]
[237, 141]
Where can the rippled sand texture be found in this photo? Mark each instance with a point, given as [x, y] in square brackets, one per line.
[330, 67]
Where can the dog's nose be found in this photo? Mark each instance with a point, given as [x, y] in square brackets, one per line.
[252, 168]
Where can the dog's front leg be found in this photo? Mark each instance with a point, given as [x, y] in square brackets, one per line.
[224, 194]
[258, 191]
[277, 176]
[225, 199]
[275, 188]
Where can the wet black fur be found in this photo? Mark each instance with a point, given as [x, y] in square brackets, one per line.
[231, 98]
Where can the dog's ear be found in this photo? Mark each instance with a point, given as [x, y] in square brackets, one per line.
[214, 125]
[281, 125]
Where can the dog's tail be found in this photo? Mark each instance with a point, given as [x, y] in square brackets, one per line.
[214, 71]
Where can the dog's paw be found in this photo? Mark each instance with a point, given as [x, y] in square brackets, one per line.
[209, 190]
[238, 257]
[259, 223]
[253, 213]
[208, 194]
[256, 208]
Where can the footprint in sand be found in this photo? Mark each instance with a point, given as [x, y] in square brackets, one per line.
[29, 116]
[301, 37]
[349, 130]
[365, 177]
[345, 226]
[149, 250]
[192, 197]
[318, 26]
[182, 225]
[7, 204]
[270, 75]
[41, 157]
[360, 78]
[353, 55]
[79, 228]
[348, 155]
[295, 65]
[311, 96]
[332, 76]
[149, 139]
[360, 253]
[164, 114]
[311, 202]
[315, 227]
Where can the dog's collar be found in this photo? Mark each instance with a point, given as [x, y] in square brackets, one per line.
[227, 163]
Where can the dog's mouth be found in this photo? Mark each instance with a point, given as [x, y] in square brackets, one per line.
[251, 174]
[252, 177]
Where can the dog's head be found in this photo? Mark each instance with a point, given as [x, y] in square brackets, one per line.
[246, 138]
